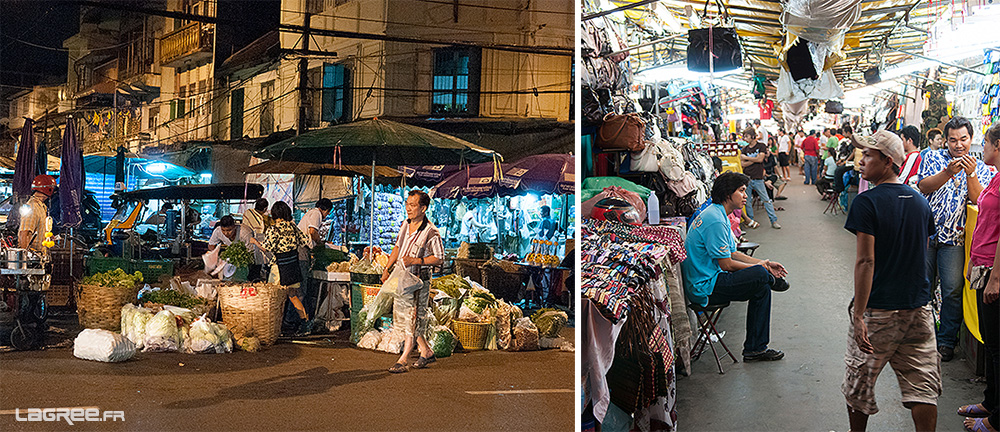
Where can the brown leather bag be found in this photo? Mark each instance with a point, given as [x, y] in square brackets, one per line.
[622, 132]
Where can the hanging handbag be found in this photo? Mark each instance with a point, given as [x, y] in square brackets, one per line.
[834, 107]
[621, 132]
[647, 160]
[596, 104]
[716, 44]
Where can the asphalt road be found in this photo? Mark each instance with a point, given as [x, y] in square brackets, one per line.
[290, 386]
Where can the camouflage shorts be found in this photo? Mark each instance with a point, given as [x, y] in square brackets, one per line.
[905, 340]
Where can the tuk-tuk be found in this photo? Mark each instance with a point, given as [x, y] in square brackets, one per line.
[132, 206]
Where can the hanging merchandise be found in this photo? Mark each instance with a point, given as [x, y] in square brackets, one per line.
[759, 92]
[622, 132]
[766, 108]
[714, 49]
[834, 107]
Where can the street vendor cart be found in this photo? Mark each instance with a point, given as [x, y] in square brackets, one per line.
[24, 278]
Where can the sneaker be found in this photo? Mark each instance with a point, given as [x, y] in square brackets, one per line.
[775, 225]
[947, 353]
[780, 285]
[768, 355]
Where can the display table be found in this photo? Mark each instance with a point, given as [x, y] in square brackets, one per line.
[552, 287]
[328, 281]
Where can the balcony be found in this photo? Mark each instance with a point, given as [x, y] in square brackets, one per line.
[191, 43]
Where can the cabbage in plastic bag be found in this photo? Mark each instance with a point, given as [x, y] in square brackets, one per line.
[162, 334]
[442, 341]
[549, 322]
[102, 345]
[134, 321]
[203, 337]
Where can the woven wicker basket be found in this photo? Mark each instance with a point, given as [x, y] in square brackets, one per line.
[471, 336]
[100, 307]
[257, 315]
[471, 268]
[503, 284]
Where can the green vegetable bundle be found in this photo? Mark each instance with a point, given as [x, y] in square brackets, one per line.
[323, 256]
[171, 297]
[237, 254]
[442, 341]
[116, 278]
[450, 285]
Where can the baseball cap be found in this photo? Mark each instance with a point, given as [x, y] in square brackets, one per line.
[884, 141]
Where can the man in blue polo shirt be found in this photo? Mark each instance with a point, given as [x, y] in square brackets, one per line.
[715, 272]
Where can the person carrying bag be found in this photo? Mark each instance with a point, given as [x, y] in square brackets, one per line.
[418, 249]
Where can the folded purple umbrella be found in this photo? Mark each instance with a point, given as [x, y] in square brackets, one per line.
[24, 171]
[70, 177]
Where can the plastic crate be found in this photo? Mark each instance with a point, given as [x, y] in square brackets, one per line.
[152, 269]
[357, 297]
[99, 264]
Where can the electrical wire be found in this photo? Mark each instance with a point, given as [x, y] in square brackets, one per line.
[498, 7]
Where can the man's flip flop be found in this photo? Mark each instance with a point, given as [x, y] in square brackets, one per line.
[974, 410]
[978, 425]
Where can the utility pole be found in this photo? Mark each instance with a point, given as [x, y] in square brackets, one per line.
[303, 76]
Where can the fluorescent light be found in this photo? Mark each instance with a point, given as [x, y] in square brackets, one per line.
[156, 168]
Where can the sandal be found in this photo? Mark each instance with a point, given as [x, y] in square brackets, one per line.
[422, 362]
[753, 224]
[398, 368]
[974, 410]
[978, 425]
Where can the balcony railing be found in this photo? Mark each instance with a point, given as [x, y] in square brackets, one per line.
[190, 43]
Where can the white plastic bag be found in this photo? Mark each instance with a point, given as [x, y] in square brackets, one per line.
[211, 259]
[392, 341]
[134, 321]
[102, 345]
[370, 340]
[401, 281]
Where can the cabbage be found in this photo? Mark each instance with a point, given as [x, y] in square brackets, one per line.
[549, 322]
[162, 333]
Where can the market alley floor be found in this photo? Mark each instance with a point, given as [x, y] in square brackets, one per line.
[293, 386]
[809, 323]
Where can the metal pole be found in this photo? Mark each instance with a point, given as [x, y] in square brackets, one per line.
[921, 56]
[371, 234]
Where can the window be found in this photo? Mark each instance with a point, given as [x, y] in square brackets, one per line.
[267, 108]
[456, 81]
[236, 115]
[336, 93]
[181, 94]
[153, 113]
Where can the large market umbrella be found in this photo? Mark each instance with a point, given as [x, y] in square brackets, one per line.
[24, 171]
[70, 177]
[428, 175]
[305, 168]
[544, 174]
[384, 142]
[379, 143]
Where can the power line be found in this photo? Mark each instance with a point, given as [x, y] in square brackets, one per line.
[499, 7]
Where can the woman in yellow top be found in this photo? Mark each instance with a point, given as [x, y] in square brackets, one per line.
[283, 239]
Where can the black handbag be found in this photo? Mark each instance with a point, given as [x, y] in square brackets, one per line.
[718, 44]
[800, 63]
[596, 105]
[834, 107]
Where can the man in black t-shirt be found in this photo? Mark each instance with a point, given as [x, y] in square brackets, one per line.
[752, 159]
[891, 321]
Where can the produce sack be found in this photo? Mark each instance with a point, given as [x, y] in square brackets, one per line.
[392, 341]
[162, 334]
[442, 341]
[547, 342]
[402, 282]
[370, 340]
[134, 321]
[525, 336]
[103, 346]
[507, 316]
[549, 322]
[371, 313]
